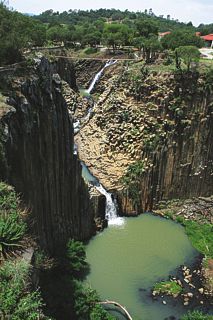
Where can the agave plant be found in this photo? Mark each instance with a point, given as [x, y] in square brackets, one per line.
[12, 231]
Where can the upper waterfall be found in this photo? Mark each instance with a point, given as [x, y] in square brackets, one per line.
[98, 75]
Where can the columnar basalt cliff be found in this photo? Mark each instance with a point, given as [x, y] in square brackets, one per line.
[179, 164]
[37, 154]
[162, 124]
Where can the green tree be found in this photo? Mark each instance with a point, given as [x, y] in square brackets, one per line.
[116, 35]
[17, 32]
[58, 33]
[180, 38]
[145, 27]
[187, 54]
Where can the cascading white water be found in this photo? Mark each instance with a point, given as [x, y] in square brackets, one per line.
[110, 210]
[98, 75]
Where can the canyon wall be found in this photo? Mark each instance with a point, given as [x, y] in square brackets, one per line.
[37, 153]
[181, 163]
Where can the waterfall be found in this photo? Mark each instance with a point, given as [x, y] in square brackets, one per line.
[98, 75]
[111, 209]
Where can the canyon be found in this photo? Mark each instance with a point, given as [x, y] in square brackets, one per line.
[145, 135]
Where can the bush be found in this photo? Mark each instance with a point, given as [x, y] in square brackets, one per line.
[76, 256]
[12, 227]
[86, 304]
[196, 315]
[16, 301]
[90, 50]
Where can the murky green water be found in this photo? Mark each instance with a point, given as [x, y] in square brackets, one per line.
[126, 261]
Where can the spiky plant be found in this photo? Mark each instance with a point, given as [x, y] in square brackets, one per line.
[12, 231]
[12, 227]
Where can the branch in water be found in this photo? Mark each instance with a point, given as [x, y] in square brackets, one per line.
[117, 305]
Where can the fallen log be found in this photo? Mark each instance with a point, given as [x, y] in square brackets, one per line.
[117, 305]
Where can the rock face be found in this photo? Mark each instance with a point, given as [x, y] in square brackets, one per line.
[182, 166]
[164, 120]
[37, 152]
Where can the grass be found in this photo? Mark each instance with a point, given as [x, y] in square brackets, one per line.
[196, 315]
[16, 301]
[201, 236]
[168, 287]
[12, 227]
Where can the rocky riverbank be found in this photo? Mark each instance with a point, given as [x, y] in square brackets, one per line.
[196, 215]
[186, 287]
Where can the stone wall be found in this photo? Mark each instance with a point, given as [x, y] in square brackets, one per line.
[37, 151]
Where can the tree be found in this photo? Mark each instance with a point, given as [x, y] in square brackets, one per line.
[149, 47]
[58, 33]
[116, 35]
[189, 55]
[145, 27]
[17, 32]
[181, 38]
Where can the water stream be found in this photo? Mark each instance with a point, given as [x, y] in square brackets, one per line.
[98, 75]
[111, 207]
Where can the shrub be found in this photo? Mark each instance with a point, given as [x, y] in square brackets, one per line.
[76, 256]
[12, 227]
[196, 315]
[12, 231]
[86, 304]
[16, 301]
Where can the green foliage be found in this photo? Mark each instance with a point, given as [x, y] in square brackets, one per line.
[8, 198]
[116, 35]
[201, 236]
[180, 38]
[12, 227]
[90, 50]
[12, 231]
[132, 180]
[146, 27]
[16, 301]
[59, 33]
[189, 55]
[76, 256]
[18, 31]
[86, 304]
[134, 172]
[168, 287]
[196, 315]
[209, 79]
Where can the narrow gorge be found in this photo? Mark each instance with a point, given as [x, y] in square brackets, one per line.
[86, 143]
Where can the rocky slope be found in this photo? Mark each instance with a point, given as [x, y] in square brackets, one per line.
[161, 120]
[37, 152]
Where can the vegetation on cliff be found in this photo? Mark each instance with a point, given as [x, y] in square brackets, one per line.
[17, 298]
[20, 297]
[12, 226]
